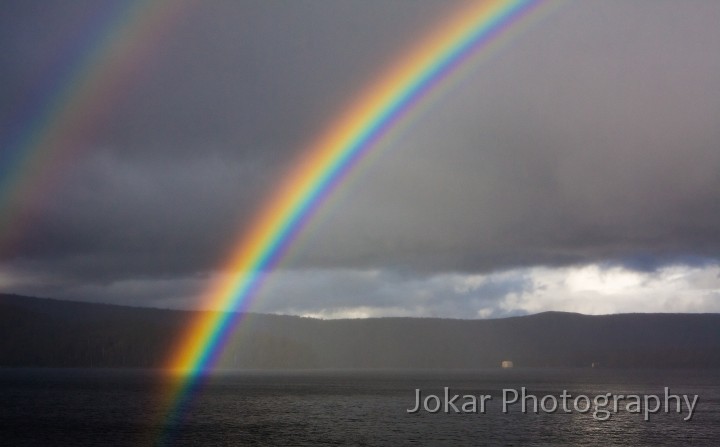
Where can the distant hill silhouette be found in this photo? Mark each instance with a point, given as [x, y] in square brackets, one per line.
[50, 333]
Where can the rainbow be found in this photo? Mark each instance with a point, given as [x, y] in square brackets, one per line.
[326, 164]
[95, 66]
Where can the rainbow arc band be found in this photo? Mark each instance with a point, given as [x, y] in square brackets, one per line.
[129, 38]
[327, 162]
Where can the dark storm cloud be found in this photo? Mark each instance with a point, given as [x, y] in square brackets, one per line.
[590, 141]
[116, 217]
[252, 77]
[203, 131]
[591, 138]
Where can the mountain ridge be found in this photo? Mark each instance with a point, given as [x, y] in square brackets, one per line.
[43, 332]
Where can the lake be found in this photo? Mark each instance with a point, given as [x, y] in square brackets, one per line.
[71, 407]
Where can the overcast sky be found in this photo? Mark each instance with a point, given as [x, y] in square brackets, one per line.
[576, 169]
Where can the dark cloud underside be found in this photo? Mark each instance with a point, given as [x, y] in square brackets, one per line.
[591, 138]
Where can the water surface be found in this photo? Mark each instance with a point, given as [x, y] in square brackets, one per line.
[68, 407]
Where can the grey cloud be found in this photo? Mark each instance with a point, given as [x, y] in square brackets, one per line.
[591, 138]
[561, 150]
[112, 218]
[339, 292]
[179, 162]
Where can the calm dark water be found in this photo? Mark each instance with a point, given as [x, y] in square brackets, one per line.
[48, 407]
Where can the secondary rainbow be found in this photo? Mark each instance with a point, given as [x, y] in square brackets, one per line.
[93, 66]
[327, 162]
